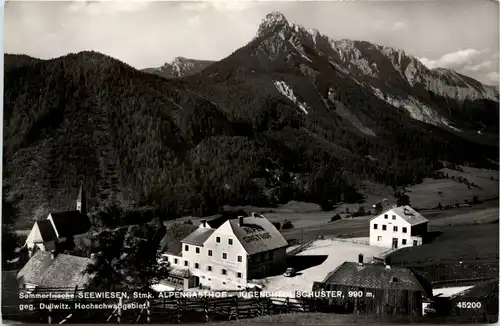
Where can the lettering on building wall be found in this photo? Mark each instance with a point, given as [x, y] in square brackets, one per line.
[257, 237]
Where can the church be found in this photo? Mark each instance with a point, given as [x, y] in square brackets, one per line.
[58, 227]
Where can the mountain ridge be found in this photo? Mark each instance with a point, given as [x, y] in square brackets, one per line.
[180, 67]
[267, 124]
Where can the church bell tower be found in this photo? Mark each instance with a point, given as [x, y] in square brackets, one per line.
[81, 200]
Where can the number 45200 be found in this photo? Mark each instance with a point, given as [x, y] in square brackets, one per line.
[469, 305]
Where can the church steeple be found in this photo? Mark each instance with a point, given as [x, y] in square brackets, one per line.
[81, 200]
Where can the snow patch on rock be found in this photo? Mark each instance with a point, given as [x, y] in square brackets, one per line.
[287, 91]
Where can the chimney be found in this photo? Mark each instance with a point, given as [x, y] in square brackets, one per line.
[360, 260]
[253, 214]
[204, 223]
[53, 254]
[240, 220]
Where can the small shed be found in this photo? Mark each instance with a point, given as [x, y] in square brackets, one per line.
[375, 289]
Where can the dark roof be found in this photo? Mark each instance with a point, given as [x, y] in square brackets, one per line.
[375, 276]
[484, 290]
[46, 230]
[33, 270]
[406, 213]
[257, 234]
[198, 236]
[66, 271]
[70, 223]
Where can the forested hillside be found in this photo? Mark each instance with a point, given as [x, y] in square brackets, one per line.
[260, 127]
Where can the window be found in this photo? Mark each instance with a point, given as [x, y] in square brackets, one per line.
[239, 259]
[375, 226]
[186, 263]
[210, 252]
[404, 229]
[230, 242]
[384, 227]
[209, 268]
[217, 239]
[393, 217]
[415, 243]
[224, 255]
[379, 238]
[395, 228]
[196, 265]
[197, 250]
[386, 216]
[271, 255]
[404, 241]
[224, 272]
[166, 258]
[176, 261]
[186, 248]
[238, 275]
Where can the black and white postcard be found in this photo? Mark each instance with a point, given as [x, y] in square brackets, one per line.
[300, 162]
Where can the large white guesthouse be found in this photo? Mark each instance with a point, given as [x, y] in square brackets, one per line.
[228, 256]
[398, 227]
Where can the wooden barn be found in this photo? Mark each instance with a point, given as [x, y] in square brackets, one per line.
[374, 289]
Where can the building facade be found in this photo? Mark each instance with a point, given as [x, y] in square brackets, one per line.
[398, 227]
[229, 256]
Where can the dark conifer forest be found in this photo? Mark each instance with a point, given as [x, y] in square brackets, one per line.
[223, 136]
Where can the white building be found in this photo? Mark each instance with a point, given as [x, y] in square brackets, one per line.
[237, 251]
[398, 227]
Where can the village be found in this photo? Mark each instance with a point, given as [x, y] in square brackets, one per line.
[246, 254]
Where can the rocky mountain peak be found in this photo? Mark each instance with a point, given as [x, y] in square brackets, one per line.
[273, 21]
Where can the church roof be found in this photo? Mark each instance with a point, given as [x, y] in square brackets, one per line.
[46, 230]
[70, 223]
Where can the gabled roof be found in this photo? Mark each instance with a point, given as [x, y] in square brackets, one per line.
[64, 271]
[198, 236]
[46, 230]
[35, 267]
[70, 223]
[407, 213]
[376, 276]
[257, 234]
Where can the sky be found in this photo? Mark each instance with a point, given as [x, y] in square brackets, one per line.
[458, 34]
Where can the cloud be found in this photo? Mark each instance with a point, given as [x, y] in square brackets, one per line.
[389, 25]
[485, 65]
[399, 26]
[219, 5]
[108, 7]
[453, 59]
[493, 77]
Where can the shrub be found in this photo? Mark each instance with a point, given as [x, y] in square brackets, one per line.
[277, 225]
[287, 225]
[336, 217]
